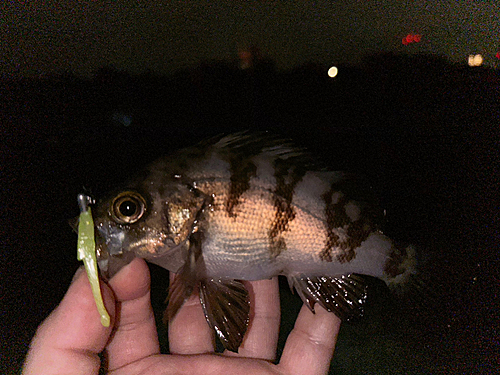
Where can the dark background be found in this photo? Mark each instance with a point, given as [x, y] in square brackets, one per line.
[425, 131]
[90, 92]
[37, 38]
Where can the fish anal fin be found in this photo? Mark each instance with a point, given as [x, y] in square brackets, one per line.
[226, 306]
[343, 295]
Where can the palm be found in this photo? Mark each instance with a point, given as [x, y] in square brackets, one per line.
[132, 347]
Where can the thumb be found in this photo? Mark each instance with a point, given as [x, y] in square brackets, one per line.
[69, 340]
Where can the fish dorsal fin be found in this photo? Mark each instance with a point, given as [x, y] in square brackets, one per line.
[226, 306]
[249, 143]
[244, 139]
[343, 295]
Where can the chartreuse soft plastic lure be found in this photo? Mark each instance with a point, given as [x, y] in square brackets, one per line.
[86, 253]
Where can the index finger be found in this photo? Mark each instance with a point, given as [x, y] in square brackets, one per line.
[135, 336]
[69, 340]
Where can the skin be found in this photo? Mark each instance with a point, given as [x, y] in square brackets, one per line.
[69, 340]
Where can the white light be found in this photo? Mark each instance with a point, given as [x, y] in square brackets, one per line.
[475, 60]
[332, 72]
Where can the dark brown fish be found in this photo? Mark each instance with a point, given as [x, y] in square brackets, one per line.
[249, 207]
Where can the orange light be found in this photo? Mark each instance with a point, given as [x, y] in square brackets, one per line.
[475, 60]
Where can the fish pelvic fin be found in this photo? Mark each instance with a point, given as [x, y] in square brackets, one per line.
[178, 293]
[226, 306]
[344, 295]
[187, 278]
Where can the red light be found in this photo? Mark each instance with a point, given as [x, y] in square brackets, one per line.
[497, 55]
[411, 38]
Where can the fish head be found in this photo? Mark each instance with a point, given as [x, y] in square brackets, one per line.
[133, 223]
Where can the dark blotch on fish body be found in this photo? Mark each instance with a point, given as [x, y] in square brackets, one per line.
[336, 217]
[242, 170]
[283, 195]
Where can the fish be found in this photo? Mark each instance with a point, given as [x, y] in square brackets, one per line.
[250, 206]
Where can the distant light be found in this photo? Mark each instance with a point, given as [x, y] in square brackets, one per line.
[475, 60]
[333, 71]
[122, 118]
[246, 59]
[497, 55]
[411, 38]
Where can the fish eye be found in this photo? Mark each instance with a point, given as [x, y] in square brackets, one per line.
[128, 207]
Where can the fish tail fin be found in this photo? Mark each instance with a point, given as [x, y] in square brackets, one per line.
[401, 271]
[412, 276]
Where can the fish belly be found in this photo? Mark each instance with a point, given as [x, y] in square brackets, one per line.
[237, 245]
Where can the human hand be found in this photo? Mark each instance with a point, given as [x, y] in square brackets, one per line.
[69, 340]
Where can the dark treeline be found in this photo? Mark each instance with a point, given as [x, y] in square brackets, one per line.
[424, 131]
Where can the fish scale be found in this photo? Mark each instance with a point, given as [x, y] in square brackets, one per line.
[242, 235]
[250, 207]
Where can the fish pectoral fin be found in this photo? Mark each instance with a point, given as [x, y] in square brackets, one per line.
[226, 306]
[343, 295]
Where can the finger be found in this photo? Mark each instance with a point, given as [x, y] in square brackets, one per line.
[70, 338]
[261, 338]
[309, 347]
[206, 364]
[188, 331]
[135, 335]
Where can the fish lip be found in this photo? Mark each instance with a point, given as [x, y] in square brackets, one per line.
[103, 268]
[109, 248]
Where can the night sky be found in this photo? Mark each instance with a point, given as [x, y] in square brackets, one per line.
[81, 37]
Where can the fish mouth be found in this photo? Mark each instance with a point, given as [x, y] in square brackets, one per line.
[111, 262]
[110, 250]
[114, 251]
